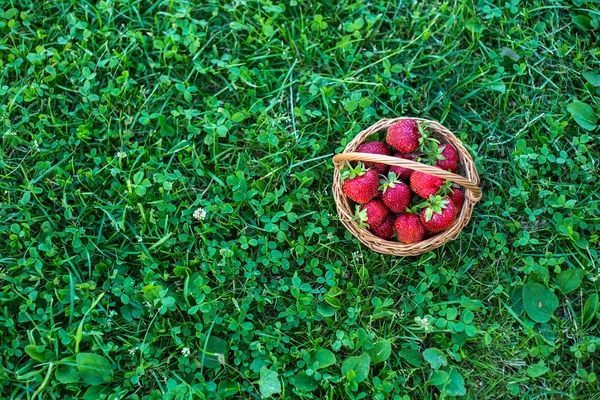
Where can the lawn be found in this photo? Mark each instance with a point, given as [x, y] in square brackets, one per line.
[167, 223]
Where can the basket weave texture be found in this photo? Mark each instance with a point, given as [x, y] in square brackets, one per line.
[467, 178]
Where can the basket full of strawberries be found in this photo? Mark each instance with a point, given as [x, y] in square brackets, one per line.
[407, 195]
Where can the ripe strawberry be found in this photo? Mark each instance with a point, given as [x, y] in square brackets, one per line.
[386, 229]
[458, 198]
[424, 184]
[447, 158]
[409, 228]
[439, 214]
[360, 184]
[404, 136]
[396, 195]
[402, 172]
[375, 147]
[371, 214]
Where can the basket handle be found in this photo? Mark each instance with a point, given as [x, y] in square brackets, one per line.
[339, 160]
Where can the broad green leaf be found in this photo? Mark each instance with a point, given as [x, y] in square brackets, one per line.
[413, 357]
[215, 348]
[583, 114]
[36, 352]
[325, 310]
[66, 373]
[438, 378]
[94, 369]
[381, 351]
[456, 384]
[583, 22]
[268, 383]
[323, 357]
[227, 389]
[592, 78]
[357, 368]
[304, 382]
[569, 280]
[589, 309]
[435, 357]
[474, 25]
[95, 392]
[536, 370]
[540, 303]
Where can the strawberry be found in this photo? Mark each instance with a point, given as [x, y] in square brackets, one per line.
[409, 228]
[402, 172]
[424, 184]
[447, 158]
[458, 198]
[375, 147]
[360, 184]
[371, 214]
[404, 136]
[396, 195]
[439, 214]
[386, 229]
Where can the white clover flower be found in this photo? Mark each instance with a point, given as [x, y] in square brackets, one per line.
[357, 255]
[185, 352]
[121, 154]
[200, 214]
[221, 358]
[226, 252]
[424, 322]
[133, 350]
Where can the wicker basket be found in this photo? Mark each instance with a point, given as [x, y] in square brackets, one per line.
[468, 179]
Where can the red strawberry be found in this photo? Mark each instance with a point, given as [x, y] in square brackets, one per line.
[424, 184]
[458, 198]
[409, 228]
[439, 214]
[402, 172]
[360, 184]
[375, 148]
[371, 214]
[386, 229]
[396, 195]
[447, 158]
[404, 136]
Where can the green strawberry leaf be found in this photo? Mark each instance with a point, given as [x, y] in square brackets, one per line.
[428, 214]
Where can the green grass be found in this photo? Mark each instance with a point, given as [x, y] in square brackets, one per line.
[120, 119]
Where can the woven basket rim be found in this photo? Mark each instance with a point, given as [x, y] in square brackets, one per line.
[466, 169]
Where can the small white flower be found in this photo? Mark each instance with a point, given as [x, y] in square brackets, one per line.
[200, 214]
[424, 322]
[226, 252]
[185, 352]
[121, 154]
[133, 350]
[357, 255]
[221, 358]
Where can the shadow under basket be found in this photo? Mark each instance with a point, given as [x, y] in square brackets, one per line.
[468, 179]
